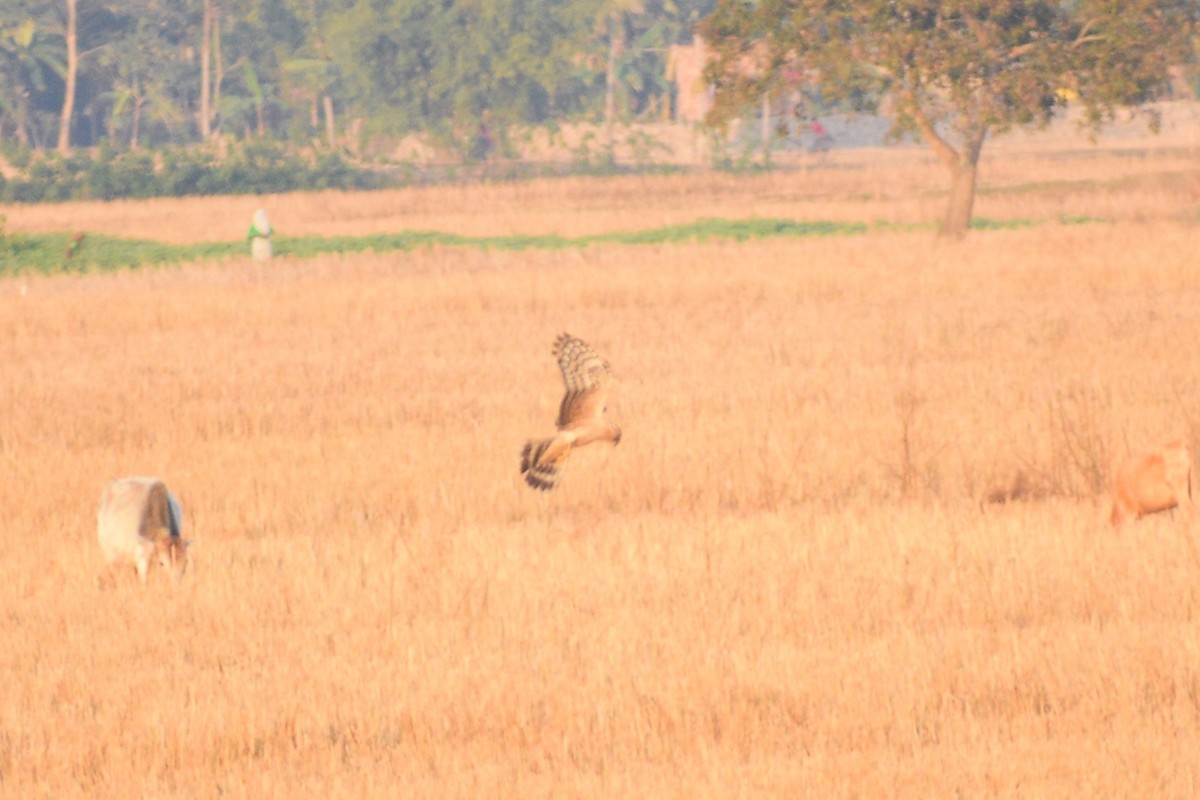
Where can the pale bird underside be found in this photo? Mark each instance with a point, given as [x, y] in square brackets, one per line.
[581, 421]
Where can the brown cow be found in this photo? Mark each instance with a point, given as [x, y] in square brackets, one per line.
[1153, 481]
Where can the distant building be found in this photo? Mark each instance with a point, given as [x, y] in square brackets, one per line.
[685, 69]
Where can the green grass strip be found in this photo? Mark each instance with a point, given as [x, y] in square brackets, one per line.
[59, 253]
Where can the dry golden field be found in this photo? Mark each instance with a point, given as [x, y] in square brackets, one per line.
[781, 584]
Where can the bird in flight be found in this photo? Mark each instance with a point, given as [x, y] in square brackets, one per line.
[580, 417]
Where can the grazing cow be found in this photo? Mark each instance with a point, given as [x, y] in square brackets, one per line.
[1154, 481]
[139, 521]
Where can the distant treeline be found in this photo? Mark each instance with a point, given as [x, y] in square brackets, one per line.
[258, 168]
[254, 167]
[236, 96]
[331, 73]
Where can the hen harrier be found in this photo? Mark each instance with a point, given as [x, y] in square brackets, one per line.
[580, 417]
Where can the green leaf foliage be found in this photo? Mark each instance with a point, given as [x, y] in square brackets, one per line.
[294, 70]
[259, 167]
[954, 71]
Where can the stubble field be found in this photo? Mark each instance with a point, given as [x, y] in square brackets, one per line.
[782, 582]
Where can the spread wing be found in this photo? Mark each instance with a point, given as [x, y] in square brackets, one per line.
[587, 378]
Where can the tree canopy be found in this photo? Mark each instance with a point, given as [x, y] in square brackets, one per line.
[153, 72]
[953, 71]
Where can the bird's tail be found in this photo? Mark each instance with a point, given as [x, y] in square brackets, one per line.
[540, 465]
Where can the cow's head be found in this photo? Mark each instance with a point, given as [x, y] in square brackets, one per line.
[172, 555]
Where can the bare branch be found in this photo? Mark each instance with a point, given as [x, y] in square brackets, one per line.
[943, 149]
[1085, 35]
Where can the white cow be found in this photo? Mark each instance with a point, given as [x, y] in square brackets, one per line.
[138, 521]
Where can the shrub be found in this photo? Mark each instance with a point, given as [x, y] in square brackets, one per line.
[255, 168]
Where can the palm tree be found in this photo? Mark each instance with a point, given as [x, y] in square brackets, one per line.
[29, 58]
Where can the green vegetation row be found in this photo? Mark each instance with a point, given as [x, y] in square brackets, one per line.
[257, 167]
[86, 252]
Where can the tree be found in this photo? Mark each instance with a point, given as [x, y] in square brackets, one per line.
[257, 37]
[956, 70]
[68, 107]
[637, 35]
[438, 67]
[315, 76]
[209, 25]
[148, 69]
[30, 67]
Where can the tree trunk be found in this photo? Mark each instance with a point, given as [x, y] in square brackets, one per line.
[610, 76]
[219, 68]
[957, 220]
[206, 25]
[963, 172]
[963, 166]
[135, 134]
[68, 109]
[21, 117]
[6, 169]
[766, 130]
[330, 127]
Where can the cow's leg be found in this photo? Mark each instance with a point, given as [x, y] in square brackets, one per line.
[143, 567]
